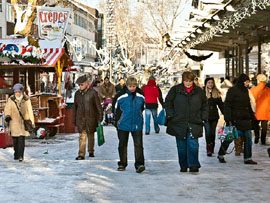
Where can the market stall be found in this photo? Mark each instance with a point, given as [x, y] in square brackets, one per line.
[22, 62]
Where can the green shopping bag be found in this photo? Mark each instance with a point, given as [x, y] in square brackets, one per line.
[100, 134]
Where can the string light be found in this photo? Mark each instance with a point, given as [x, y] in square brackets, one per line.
[246, 10]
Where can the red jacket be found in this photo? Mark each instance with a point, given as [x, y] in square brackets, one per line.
[151, 94]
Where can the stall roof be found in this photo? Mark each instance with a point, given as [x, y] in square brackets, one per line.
[244, 26]
[51, 51]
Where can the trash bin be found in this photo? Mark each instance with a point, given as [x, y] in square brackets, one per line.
[68, 127]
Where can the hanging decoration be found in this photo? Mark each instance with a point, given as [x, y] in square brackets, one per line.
[197, 58]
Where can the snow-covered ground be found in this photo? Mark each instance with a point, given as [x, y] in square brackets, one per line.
[57, 177]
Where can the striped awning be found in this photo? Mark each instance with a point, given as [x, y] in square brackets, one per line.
[52, 55]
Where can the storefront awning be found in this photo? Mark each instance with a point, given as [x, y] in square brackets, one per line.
[52, 55]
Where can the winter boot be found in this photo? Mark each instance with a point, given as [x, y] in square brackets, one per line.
[238, 147]
[213, 147]
[268, 151]
[256, 140]
[263, 139]
[209, 149]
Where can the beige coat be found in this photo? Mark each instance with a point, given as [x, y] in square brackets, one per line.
[16, 123]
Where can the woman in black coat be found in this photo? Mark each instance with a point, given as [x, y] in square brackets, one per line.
[214, 100]
[186, 110]
[238, 112]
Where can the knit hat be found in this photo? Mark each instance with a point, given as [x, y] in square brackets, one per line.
[242, 78]
[261, 78]
[152, 78]
[207, 79]
[18, 87]
[81, 79]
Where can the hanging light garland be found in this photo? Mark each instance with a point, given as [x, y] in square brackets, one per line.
[246, 10]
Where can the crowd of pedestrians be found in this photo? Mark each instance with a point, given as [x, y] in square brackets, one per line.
[189, 108]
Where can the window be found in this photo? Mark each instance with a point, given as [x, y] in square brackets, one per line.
[9, 14]
[0, 5]
[91, 27]
[0, 32]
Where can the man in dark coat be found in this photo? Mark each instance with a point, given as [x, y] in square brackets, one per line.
[238, 113]
[120, 85]
[87, 112]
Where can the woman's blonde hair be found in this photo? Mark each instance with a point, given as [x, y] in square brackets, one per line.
[215, 91]
[131, 81]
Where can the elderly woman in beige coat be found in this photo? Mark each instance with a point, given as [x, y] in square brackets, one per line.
[15, 121]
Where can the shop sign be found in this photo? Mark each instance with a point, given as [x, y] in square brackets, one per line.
[52, 22]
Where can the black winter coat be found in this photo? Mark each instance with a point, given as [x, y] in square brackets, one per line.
[87, 110]
[237, 108]
[213, 103]
[186, 111]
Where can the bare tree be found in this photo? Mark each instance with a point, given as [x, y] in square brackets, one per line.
[163, 15]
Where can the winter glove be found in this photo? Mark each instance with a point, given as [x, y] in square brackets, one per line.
[8, 119]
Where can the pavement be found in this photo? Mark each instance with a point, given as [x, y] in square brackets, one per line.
[50, 173]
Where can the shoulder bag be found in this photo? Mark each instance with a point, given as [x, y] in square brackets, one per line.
[28, 126]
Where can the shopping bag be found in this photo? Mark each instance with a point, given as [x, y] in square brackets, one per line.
[161, 117]
[5, 140]
[100, 134]
[227, 133]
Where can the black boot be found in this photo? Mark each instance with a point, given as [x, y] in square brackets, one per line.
[256, 140]
[209, 149]
[213, 147]
[268, 151]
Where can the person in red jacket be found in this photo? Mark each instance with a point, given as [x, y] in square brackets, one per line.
[152, 94]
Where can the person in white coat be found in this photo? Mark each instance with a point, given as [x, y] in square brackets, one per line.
[14, 120]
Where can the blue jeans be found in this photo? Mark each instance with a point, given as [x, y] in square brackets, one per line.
[247, 145]
[148, 113]
[188, 152]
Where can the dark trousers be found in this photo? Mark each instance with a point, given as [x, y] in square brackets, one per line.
[257, 130]
[210, 131]
[138, 147]
[247, 145]
[18, 144]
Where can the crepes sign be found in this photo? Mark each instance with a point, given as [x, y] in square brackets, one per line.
[52, 22]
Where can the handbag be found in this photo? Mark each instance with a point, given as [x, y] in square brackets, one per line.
[227, 133]
[100, 134]
[161, 117]
[28, 126]
[5, 140]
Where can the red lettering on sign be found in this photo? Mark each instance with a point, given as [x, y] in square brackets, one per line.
[60, 16]
[40, 17]
[45, 19]
[50, 16]
[65, 17]
[55, 17]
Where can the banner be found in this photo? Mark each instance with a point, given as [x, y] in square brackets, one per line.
[52, 22]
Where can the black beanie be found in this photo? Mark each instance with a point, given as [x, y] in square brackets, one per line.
[207, 79]
[242, 78]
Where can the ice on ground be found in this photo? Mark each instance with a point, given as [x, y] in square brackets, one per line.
[50, 173]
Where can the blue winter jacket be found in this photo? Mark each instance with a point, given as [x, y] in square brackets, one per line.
[128, 110]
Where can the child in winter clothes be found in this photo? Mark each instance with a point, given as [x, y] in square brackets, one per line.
[128, 106]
